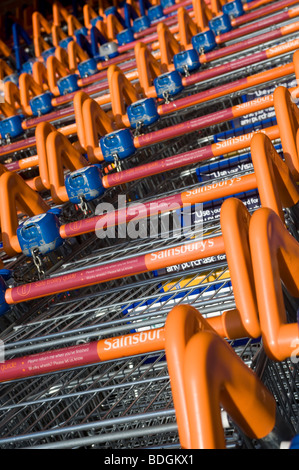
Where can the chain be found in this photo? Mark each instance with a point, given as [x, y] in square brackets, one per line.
[137, 131]
[186, 71]
[38, 263]
[117, 162]
[166, 97]
[83, 206]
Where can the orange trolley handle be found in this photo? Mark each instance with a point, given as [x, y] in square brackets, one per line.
[287, 115]
[56, 69]
[28, 89]
[122, 93]
[61, 154]
[202, 380]
[275, 259]
[16, 195]
[148, 68]
[91, 122]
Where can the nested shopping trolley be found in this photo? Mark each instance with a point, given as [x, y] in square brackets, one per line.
[159, 293]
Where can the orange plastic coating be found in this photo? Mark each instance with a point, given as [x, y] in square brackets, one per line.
[206, 373]
[91, 122]
[168, 45]
[234, 219]
[287, 115]
[56, 70]
[4, 49]
[216, 6]
[63, 57]
[88, 15]
[275, 259]
[148, 69]
[42, 182]
[102, 27]
[5, 69]
[272, 178]
[215, 376]
[75, 55]
[59, 13]
[212, 247]
[72, 25]
[255, 4]
[39, 25]
[57, 35]
[39, 74]
[113, 27]
[290, 28]
[134, 343]
[61, 154]
[277, 187]
[282, 48]
[181, 324]
[187, 28]
[28, 89]
[16, 195]
[122, 93]
[7, 109]
[12, 96]
[96, 124]
[202, 14]
[79, 99]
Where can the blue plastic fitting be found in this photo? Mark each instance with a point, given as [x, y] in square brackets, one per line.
[94, 21]
[169, 83]
[141, 23]
[186, 60]
[143, 112]
[295, 442]
[87, 67]
[41, 104]
[120, 143]
[27, 66]
[85, 184]
[220, 24]
[204, 42]
[65, 42]
[13, 77]
[125, 36]
[48, 52]
[68, 84]
[11, 126]
[155, 13]
[40, 232]
[233, 9]
[167, 3]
